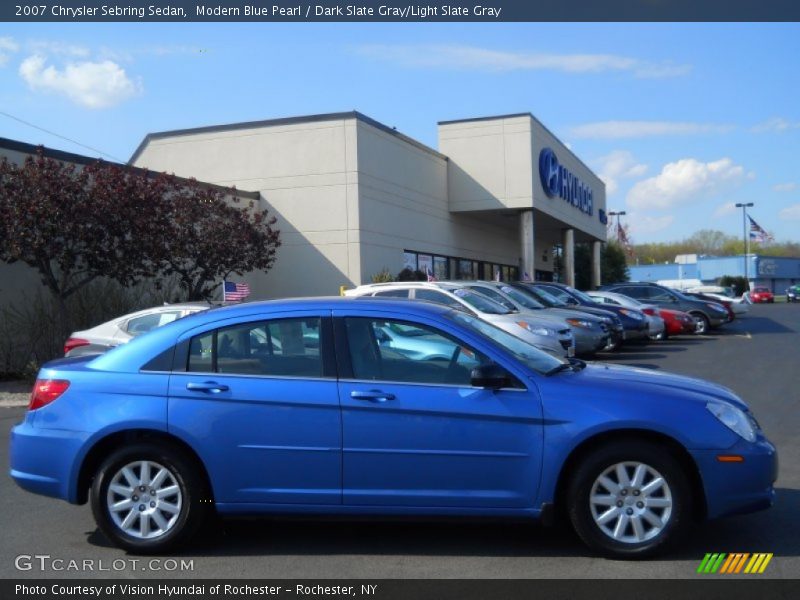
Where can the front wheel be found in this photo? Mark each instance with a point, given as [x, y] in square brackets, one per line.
[629, 500]
[148, 498]
[702, 325]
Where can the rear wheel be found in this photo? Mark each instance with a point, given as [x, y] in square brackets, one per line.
[148, 498]
[629, 500]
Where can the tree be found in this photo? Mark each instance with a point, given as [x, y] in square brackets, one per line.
[613, 267]
[74, 225]
[53, 221]
[613, 264]
[207, 238]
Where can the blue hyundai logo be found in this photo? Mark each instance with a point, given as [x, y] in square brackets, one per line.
[549, 172]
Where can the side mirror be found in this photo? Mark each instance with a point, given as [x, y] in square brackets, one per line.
[489, 376]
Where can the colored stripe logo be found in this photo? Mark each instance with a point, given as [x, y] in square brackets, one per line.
[734, 563]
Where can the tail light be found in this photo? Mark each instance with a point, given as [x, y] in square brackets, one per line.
[45, 391]
[73, 343]
[649, 311]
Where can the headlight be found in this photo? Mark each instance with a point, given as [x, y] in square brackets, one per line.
[579, 323]
[734, 419]
[536, 329]
[632, 314]
[716, 307]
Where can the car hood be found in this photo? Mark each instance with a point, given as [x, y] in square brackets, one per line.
[605, 375]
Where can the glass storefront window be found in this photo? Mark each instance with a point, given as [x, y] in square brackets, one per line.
[425, 263]
[410, 260]
[440, 268]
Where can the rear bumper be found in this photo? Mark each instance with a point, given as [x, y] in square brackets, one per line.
[738, 488]
[42, 460]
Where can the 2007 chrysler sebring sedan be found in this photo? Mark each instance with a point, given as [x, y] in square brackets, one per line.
[305, 406]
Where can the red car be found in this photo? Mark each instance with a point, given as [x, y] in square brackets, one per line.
[677, 322]
[761, 294]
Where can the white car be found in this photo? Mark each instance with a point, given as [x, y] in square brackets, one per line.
[123, 329]
[543, 334]
[739, 306]
[655, 324]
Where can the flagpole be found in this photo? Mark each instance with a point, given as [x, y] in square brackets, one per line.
[743, 206]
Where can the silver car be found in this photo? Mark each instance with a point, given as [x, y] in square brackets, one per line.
[122, 330]
[655, 324]
[591, 334]
[541, 333]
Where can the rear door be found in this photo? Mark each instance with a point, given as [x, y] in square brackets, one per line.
[257, 398]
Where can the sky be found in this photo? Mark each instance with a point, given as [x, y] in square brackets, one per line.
[681, 121]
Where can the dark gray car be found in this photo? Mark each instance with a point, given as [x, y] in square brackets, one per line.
[707, 315]
[591, 333]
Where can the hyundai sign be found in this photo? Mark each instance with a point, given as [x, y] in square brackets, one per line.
[557, 180]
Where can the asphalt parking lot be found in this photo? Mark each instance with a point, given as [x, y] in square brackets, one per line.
[758, 357]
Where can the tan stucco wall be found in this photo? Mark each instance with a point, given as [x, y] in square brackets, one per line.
[306, 174]
[403, 204]
[494, 164]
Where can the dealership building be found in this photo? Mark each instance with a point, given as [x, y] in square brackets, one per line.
[501, 196]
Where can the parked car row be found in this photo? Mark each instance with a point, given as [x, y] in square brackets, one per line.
[552, 316]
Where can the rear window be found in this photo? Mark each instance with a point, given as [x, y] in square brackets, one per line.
[283, 347]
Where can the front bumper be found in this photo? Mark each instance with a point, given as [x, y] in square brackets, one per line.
[738, 488]
[588, 341]
[636, 333]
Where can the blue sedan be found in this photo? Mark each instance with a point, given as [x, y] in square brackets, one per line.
[303, 407]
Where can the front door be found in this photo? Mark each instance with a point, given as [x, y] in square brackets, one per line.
[415, 432]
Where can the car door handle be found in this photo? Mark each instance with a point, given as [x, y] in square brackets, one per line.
[372, 396]
[207, 386]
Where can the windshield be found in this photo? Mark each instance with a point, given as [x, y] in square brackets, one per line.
[494, 295]
[480, 303]
[583, 296]
[521, 298]
[530, 356]
[546, 297]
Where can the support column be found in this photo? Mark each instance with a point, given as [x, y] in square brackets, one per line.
[526, 244]
[596, 249]
[568, 243]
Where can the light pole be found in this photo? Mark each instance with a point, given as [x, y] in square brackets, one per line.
[618, 215]
[743, 206]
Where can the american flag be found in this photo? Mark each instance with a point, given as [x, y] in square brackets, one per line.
[624, 240]
[431, 276]
[758, 233]
[233, 292]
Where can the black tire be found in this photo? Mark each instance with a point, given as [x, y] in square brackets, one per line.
[581, 513]
[703, 324]
[194, 499]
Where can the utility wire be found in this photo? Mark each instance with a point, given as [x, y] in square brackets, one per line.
[120, 160]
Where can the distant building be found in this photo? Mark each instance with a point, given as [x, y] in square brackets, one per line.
[774, 272]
